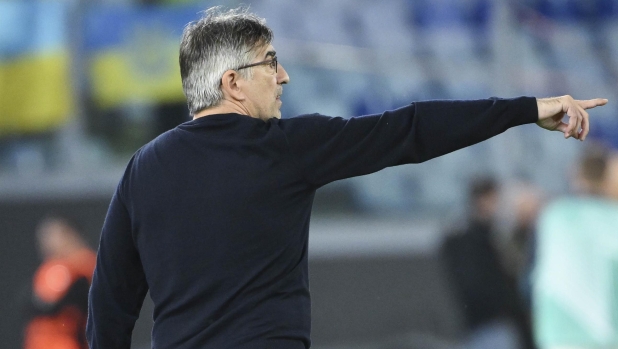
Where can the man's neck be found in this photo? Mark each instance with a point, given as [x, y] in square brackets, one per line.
[225, 107]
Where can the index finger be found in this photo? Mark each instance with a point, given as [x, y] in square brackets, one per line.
[591, 103]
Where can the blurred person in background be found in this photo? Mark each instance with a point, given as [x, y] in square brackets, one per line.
[575, 293]
[213, 216]
[487, 291]
[58, 306]
[518, 250]
[611, 176]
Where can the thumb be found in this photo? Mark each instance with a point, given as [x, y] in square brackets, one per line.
[564, 128]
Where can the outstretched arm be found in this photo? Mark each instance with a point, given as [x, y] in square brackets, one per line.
[328, 149]
[553, 110]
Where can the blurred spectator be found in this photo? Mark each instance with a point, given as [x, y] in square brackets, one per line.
[519, 251]
[611, 177]
[589, 180]
[575, 294]
[487, 292]
[58, 307]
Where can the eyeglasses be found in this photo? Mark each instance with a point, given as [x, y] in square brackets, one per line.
[271, 62]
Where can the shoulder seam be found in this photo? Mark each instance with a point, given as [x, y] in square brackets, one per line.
[293, 160]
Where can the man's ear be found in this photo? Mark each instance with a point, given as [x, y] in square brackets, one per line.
[231, 87]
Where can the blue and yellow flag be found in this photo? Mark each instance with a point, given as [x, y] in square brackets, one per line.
[133, 53]
[35, 81]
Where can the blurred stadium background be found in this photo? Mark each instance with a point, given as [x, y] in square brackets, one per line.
[83, 84]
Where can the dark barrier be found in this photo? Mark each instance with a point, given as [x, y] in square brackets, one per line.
[356, 300]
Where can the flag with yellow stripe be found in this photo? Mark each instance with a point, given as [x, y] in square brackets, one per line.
[133, 53]
[35, 79]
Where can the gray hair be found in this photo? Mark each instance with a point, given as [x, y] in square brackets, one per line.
[219, 41]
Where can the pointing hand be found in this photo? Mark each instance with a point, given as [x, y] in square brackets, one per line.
[552, 111]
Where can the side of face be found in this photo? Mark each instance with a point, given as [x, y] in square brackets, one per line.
[262, 93]
[487, 205]
[611, 178]
[54, 239]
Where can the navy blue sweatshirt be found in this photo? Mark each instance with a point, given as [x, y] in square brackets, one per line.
[213, 217]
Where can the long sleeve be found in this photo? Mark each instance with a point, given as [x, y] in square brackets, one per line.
[118, 286]
[327, 149]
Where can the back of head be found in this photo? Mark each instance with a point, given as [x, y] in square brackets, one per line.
[219, 41]
[483, 197]
[58, 237]
[611, 177]
[592, 170]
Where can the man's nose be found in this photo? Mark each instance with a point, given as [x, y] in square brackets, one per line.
[282, 75]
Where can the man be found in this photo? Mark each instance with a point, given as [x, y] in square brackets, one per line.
[60, 288]
[574, 279]
[213, 216]
[494, 316]
[611, 176]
